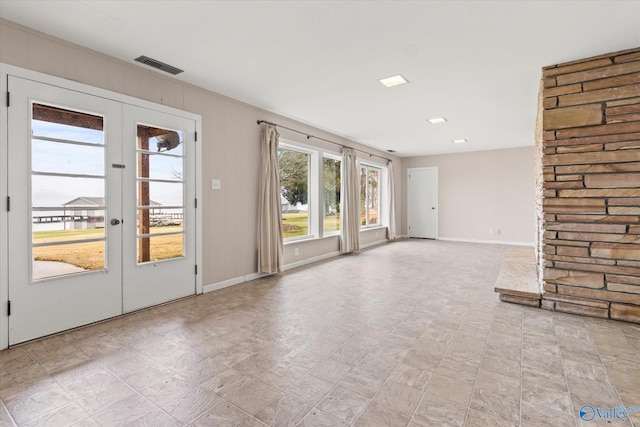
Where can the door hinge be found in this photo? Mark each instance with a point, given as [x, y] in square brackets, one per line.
[117, 166]
[196, 203]
[196, 268]
[8, 203]
[196, 135]
[8, 308]
[8, 99]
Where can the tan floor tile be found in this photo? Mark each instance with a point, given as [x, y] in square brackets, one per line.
[439, 414]
[543, 416]
[156, 418]
[125, 411]
[548, 397]
[309, 389]
[27, 406]
[330, 370]
[380, 416]
[399, 397]
[411, 376]
[283, 412]
[64, 416]
[165, 391]
[226, 382]
[362, 383]
[221, 414]
[344, 404]
[253, 422]
[318, 418]
[191, 404]
[252, 396]
[482, 419]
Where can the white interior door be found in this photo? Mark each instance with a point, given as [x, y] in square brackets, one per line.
[422, 203]
[159, 226]
[65, 260]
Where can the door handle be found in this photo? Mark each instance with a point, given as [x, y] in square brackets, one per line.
[433, 208]
[115, 221]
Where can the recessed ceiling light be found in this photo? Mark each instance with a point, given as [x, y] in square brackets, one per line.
[437, 120]
[394, 80]
[459, 141]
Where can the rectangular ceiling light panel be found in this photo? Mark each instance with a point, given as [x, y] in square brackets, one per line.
[396, 80]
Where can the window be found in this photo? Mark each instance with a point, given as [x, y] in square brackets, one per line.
[369, 196]
[294, 192]
[331, 195]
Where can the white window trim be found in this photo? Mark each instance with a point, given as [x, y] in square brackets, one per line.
[334, 156]
[312, 191]
[315, 186]
[383, 221]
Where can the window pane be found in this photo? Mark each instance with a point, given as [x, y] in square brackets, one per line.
[160, 140]
[158, 248]
[67, 125]
[159, 194]
[373, 197]
[363, 196]
[294, 183]
[72, 258]
[57, 191]
[159, 166]
[161, 220]
[331, 194]
[60, 157]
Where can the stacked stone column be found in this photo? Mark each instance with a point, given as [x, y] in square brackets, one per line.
[591, 190]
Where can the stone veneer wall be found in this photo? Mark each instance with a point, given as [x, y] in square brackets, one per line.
[591, 204]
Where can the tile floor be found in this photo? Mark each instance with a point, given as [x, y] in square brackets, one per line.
[408, 333]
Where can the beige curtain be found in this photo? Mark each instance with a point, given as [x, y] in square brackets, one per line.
[269, 215]
[391, 198]
[350, 203]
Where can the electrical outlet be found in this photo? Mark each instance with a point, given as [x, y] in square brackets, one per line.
[499, 231]
[216, 184]
[491, 231]
[296, 252]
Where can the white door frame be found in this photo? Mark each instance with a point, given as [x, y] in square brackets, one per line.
[434, 168]
[5, 71]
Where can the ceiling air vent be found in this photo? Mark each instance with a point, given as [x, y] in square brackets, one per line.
[159, 65]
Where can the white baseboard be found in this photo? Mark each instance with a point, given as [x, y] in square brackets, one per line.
[377, 242]
[231, 282]
[493, 242]
[252, 276]
[310, 260]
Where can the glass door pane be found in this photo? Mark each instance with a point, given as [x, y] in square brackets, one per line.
[67, 191]
[159, 194]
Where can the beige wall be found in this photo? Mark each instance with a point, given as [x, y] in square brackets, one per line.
[230, 143]
[483, 191]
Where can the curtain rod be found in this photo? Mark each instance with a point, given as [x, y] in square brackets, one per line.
[321, 139]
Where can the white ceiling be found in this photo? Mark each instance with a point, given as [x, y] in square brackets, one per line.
[476, 62]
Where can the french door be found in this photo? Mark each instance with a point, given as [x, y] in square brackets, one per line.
[99, 223]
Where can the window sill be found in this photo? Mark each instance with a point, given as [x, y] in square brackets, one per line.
[305, 239]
